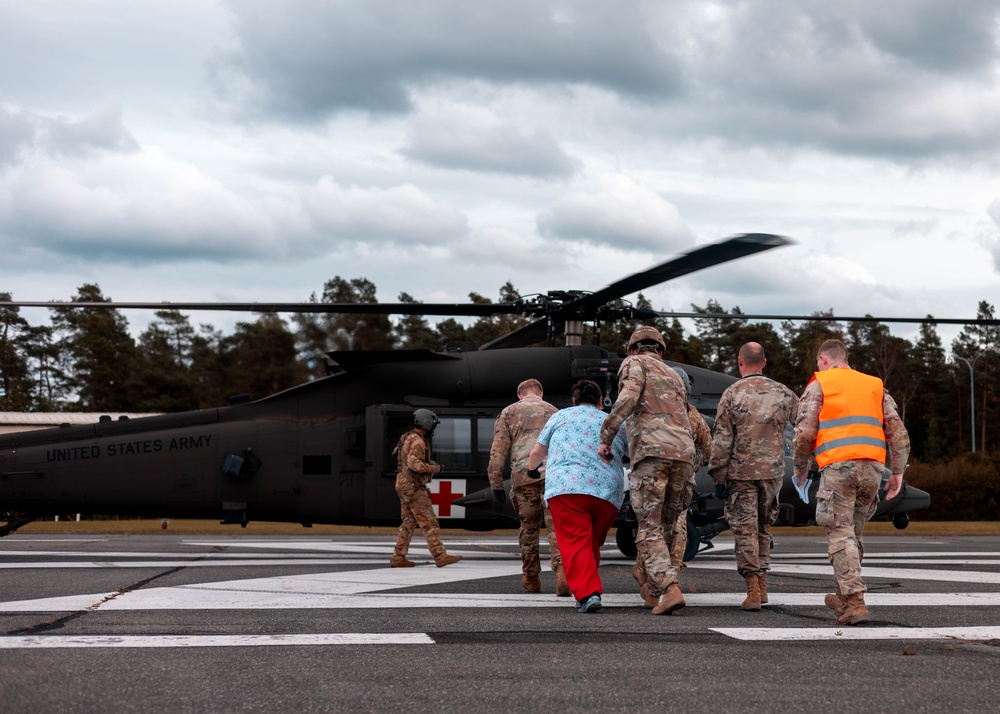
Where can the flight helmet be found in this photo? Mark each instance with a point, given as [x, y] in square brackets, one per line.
[425, 419]
[646, 335]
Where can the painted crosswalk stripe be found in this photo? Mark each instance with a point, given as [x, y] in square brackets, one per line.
[950, 576]
[785, 634]
[338, 638]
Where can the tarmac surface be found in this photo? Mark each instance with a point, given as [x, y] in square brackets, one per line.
[189, 623]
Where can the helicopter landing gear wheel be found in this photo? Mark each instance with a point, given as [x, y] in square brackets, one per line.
[694, 540]
[625, 540]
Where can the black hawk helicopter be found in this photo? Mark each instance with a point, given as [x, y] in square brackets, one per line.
[322, 452]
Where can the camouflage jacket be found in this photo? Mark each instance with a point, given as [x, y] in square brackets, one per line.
[414, 455]
[652, 403]
[807, 426]
[515, 433]
[749, 443]
[702, 436]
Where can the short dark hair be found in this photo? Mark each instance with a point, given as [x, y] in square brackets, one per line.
[587, 392]
[834, 350]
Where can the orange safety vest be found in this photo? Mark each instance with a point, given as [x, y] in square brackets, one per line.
[850, 422]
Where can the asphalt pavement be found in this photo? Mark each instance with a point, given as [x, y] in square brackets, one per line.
[187, 623]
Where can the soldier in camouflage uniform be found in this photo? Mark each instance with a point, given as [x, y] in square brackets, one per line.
[748, 461]
[849, 424]
[651, 401]
[415, 472]
[702, 448]
[515, 432]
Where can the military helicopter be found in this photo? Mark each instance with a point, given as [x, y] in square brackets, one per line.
[322, 452]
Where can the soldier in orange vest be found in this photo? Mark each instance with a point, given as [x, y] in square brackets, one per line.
[847, 422]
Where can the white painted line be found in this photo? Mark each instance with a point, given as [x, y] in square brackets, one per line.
[326, 591]
[860, 633]
[902, 556]
[160, 564]
[950, 576]
[321, 640]
[174, 554]
[383, 546]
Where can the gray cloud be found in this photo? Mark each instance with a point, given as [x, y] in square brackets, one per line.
[17, 133]
[21, 132]
[905, 80]
[401, 215]
[618, 212]
[103, 130]
[908, 81]
[307, 59]
[460, 136]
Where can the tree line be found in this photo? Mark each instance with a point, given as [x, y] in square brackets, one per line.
[87, 360]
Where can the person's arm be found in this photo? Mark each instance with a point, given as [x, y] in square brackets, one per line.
[537, 456]
[898, 444]
[417, 456]
[702, 435]
[806, 429]
[722, 441]
[498, 452]
[631, 381]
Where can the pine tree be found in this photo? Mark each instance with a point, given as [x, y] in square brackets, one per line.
[101, 351]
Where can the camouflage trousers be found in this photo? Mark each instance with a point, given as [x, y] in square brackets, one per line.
[660, 494]
[680, 528]
[529, 506]
[846, 499]
[416, 509]
[751, 510]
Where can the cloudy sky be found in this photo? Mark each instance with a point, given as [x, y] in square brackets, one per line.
[253, 149]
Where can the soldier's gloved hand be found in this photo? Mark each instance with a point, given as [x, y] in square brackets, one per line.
[499, 495]
[534, 473]
[438, 468]
[720, 491]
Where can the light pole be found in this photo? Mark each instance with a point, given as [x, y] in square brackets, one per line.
[972, 390]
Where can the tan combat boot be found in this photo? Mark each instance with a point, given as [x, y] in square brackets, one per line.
[447, 560]
[837, 603]
[670, 601]
[648, 599]
[400, 561]
[639, 574]
[531, 583]
[562, 587]
[762, 584]
[856, 612]
[752, 600]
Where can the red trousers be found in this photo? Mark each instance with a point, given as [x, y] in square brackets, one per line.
[582, 523]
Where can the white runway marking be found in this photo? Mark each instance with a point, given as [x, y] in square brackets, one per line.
[90, 641]
[353, 589]
[785, 634]
[950, 576]
[159, 564]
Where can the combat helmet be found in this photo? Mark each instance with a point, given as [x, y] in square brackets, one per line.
[646, 334]
[425, 419]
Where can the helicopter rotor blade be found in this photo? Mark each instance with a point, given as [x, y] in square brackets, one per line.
[405, 308]
[819, 318]
[530, 334]
[706, 256]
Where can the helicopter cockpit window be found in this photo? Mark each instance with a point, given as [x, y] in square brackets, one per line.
[484, 439]
[452, 445]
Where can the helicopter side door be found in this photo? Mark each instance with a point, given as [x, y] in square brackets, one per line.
[461, 444]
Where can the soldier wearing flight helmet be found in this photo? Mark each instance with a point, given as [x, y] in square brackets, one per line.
[415, 471]
[652, 401]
